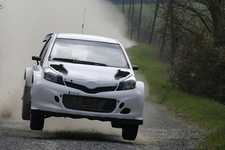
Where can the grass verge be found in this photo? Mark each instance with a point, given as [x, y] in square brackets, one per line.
[206, 113]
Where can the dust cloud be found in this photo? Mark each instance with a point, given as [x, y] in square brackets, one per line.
[23, 25]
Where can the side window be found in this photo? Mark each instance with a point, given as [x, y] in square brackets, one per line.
[44, 50]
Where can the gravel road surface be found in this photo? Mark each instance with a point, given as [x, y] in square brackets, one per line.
[161, 131]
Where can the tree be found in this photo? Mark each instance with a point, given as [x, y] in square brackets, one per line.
[153, 25]
[139, 24]
[198, 29]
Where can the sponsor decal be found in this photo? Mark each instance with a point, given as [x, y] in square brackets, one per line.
[74, 93]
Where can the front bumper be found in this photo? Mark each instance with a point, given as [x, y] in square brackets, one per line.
[114, 120]
[44, 102]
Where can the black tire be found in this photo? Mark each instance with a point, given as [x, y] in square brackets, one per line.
[37, 122]
[129, 132]
[26, 110]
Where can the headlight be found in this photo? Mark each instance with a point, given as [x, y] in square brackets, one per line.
[50, 75]
[127, 85]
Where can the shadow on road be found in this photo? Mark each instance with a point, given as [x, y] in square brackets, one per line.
[21, 130]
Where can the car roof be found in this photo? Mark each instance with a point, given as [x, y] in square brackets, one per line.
[86, 37]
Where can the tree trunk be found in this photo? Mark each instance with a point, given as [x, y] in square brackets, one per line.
[139, 26]
[128, 31]
[153, 26]
[132, 18]
[172, 34]
[164, 34]
[215, 10]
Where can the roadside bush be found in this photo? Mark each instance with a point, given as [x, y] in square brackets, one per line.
[200, 68]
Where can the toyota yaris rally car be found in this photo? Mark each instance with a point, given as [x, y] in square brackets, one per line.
[83, 76]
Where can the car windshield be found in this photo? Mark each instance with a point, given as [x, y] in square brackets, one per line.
[80, 51]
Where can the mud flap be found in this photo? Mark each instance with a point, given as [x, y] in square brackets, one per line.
[26, 94]
[26, 103]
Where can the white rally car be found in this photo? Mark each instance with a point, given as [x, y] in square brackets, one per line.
[83, 76]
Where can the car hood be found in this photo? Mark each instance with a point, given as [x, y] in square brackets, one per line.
[91, 76]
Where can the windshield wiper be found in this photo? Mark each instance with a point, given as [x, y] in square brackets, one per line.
[63, 59]
[88, 62]
[80, 61]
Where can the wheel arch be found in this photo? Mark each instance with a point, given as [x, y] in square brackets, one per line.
[141, 88]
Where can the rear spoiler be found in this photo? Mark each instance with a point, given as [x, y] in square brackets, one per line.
[47, 37]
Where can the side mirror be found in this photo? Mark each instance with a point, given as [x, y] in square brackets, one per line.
[37, 58]
[135, 67]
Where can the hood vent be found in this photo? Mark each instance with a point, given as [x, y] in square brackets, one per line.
[60, 68]
[121, 74]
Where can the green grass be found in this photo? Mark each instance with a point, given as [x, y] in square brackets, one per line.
[205, 113]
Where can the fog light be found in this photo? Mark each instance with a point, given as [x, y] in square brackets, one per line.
[125, 111]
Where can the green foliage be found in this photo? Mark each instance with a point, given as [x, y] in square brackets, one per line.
[200, 68]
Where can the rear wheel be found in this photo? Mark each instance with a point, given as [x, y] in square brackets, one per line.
[36, 122]
[129, 132]
[26, 110]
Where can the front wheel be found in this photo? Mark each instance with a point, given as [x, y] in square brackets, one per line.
[129, 132]
[36, 122]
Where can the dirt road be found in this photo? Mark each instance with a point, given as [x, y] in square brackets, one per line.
[161, 131]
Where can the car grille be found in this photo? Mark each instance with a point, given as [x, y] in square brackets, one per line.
[89, 103]
[90, 91]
